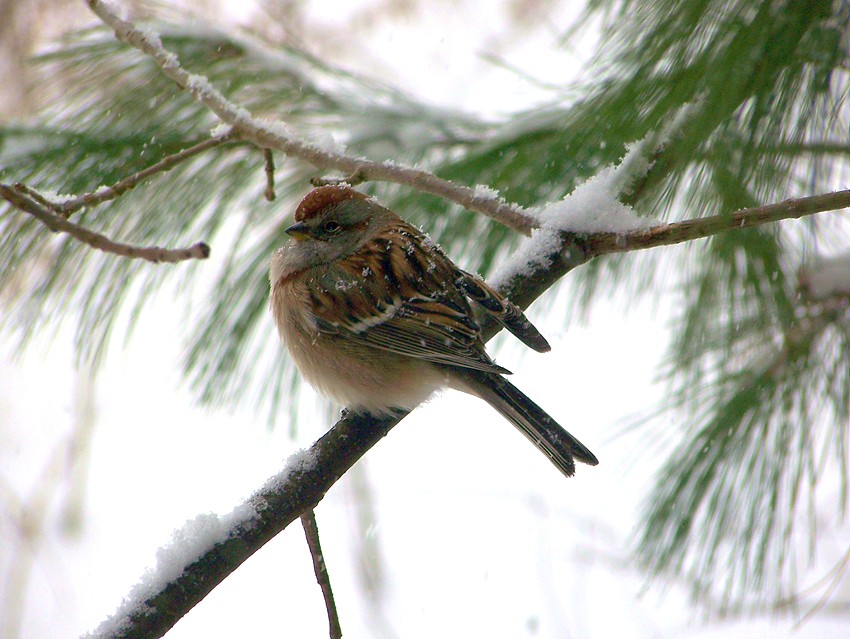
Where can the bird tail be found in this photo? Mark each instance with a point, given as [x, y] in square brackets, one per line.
[543, 431]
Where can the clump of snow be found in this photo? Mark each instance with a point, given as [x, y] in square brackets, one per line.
[199, 85]
[593, 207]
[277, 128]
[187, 545]
[534, 253]
[220, 130]
[55, 197]
[118, 10]
[296, 462]
[826, 277]
[325, 141]
[169, 60]
[151, 36]
[486, 192]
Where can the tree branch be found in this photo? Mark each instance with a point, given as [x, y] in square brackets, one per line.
[276, 136]
[293, 491]
[66, 208]
[311, 531]
[268, 161]
[678, 232]
[21, 199]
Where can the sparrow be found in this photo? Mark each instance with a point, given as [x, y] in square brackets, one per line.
[377, 317]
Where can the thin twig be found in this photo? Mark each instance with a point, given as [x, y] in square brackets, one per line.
[274, 136]
[104, 194]
[311, 531]
[269, 162]
[37, 197]
[20, 199]
[678, 232]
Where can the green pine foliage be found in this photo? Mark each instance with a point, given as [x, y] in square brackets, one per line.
[758, 373]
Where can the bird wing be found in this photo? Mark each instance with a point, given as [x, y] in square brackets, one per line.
[432, 330]
[503, 311]
[401, 295]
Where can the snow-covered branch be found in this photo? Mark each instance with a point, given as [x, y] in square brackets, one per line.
[208, 548]
[595, 240]
[276, 136]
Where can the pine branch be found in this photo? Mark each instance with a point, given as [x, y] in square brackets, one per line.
[277, 137]
[284, 498]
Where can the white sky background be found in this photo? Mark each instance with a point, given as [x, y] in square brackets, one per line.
[476, 534]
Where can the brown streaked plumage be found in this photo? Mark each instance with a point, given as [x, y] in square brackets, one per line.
[376, 316]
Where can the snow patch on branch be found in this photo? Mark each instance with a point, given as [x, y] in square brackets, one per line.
[188, 543]
[115, 8]
[593, 206]
[192, 541]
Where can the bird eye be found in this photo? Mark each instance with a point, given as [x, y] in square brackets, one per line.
[331, 226]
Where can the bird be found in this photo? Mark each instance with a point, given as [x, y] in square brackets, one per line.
[377, 317]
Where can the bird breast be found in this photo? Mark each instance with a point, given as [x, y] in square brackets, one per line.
[339, 364]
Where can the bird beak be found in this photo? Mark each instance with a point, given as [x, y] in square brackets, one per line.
[299, 231]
